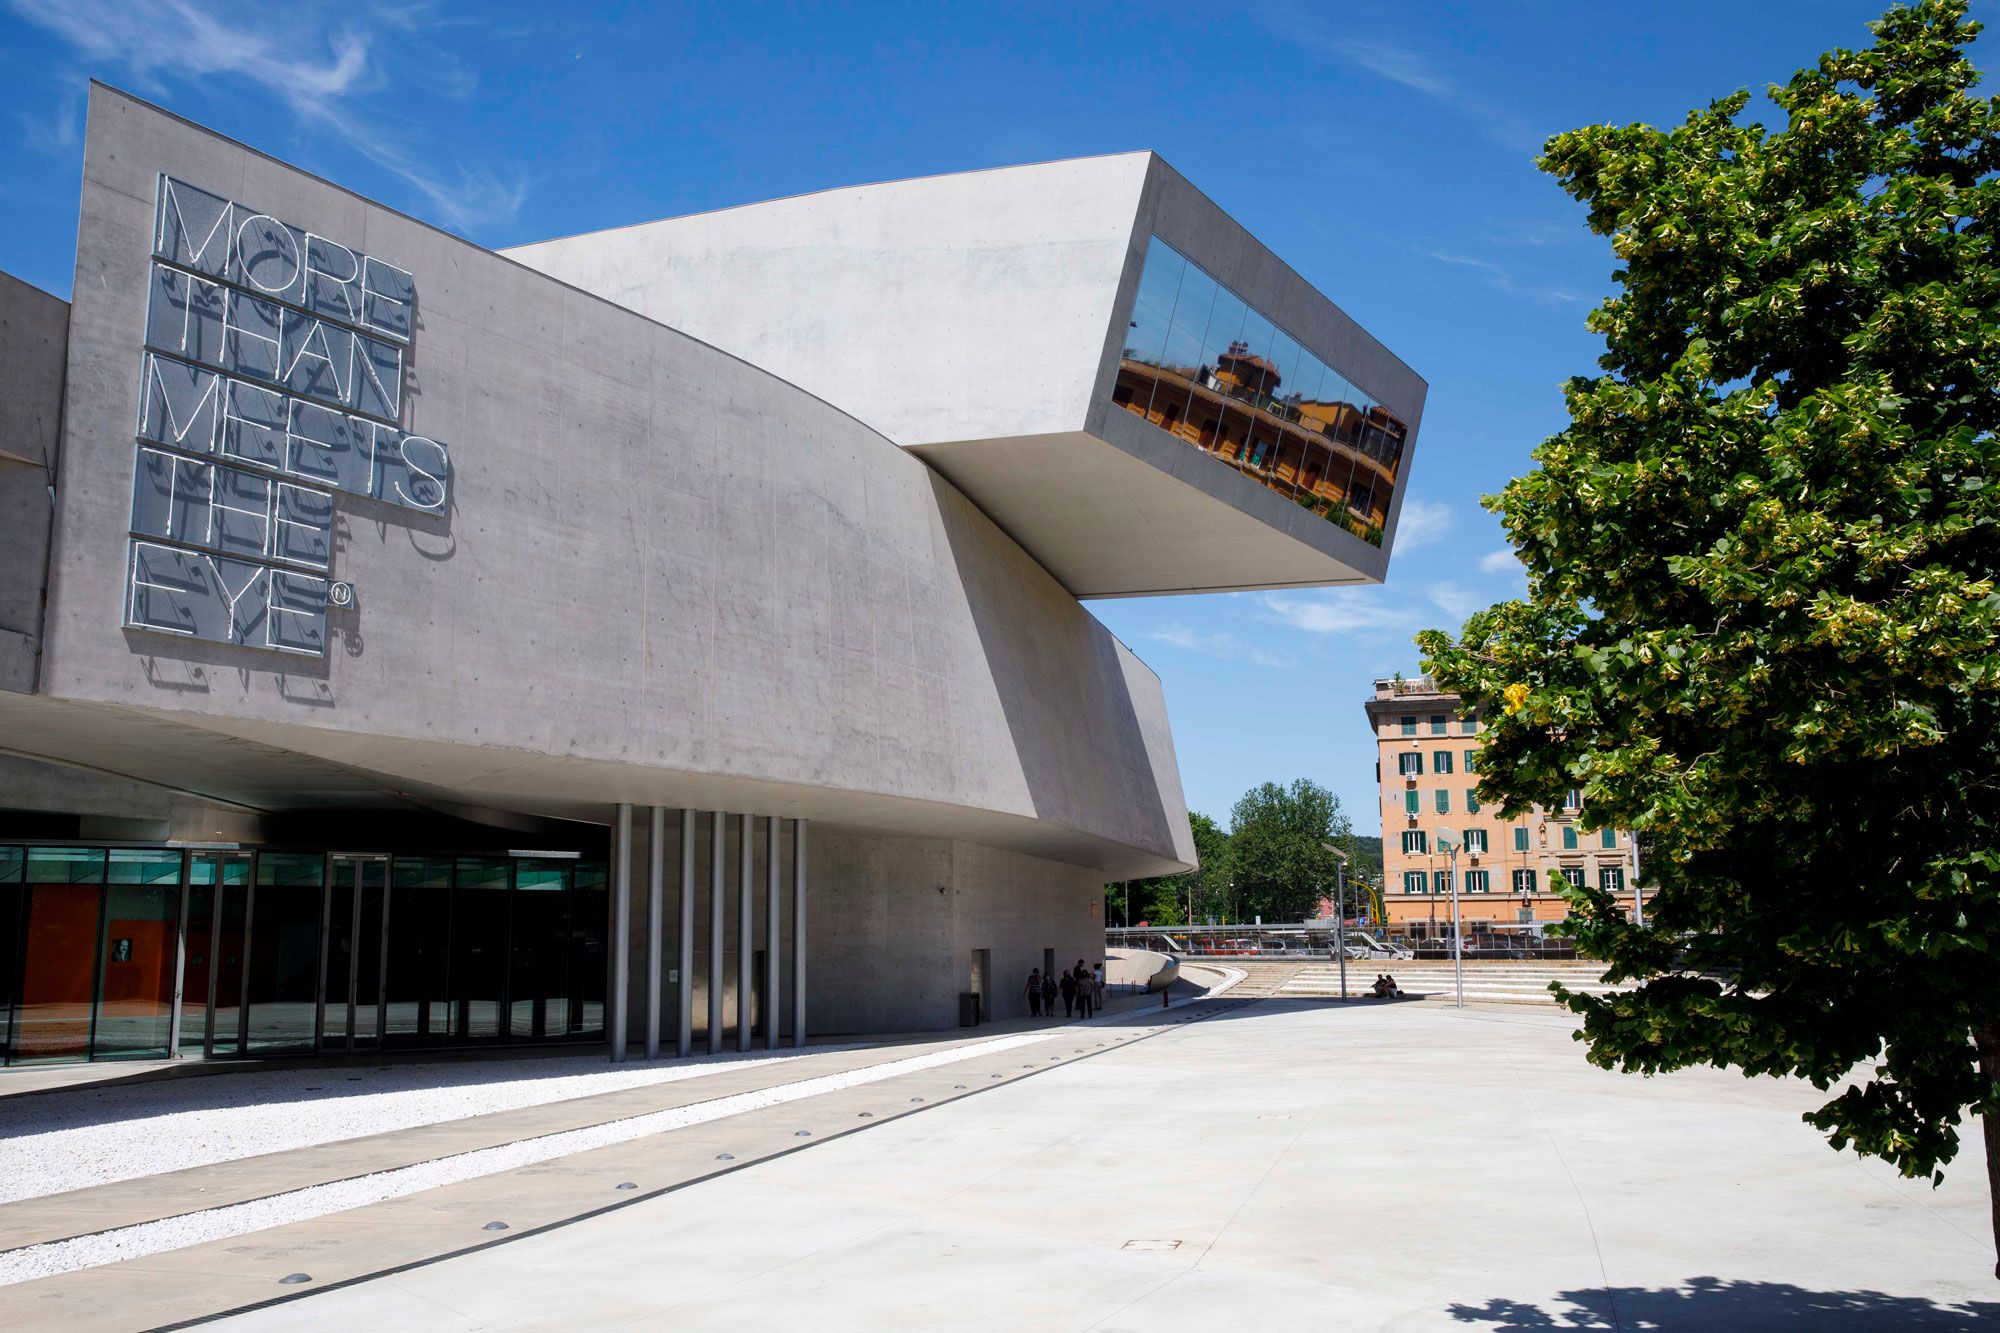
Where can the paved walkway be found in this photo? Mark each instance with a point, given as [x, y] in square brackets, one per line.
[1281, 1166]
[1271, 1164]
[205, 1238]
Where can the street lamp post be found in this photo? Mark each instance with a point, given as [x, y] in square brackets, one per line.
[1340, 912]
[1449, 841]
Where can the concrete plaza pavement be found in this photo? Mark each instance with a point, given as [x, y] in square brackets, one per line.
[1285, 1165]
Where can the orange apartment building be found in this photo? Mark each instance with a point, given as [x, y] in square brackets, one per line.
[1427, 766]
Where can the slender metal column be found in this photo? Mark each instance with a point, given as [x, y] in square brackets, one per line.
[180, 967]
[746, 936]
[684, 997]
[656, 888]
[771, 920]
[621, 928]
[798, 932]
[719, 841]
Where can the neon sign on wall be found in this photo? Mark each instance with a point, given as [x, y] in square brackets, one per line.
[272, 380]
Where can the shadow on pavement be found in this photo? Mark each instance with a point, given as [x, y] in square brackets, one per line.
[1707, 1303]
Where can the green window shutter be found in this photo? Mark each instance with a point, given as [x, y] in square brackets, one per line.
[1410, 801]
[1610, 837]
[1472, 761]
[1569, 837]
[1413, 881]
[1441, 761]
[1471, 801]
[1443, 801]
[1409, 724]
[1520, 839]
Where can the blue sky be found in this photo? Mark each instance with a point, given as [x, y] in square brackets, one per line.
[1384, 150]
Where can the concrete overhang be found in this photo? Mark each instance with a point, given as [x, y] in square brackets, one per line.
[980, 320]
[274, 768]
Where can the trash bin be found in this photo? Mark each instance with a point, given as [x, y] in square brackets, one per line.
[968, 1009]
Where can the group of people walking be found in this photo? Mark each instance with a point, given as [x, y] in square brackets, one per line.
[1081, 988]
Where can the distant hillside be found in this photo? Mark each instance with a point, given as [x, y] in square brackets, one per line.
[1368, 858]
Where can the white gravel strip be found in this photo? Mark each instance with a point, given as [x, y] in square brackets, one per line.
[56, 1141]
[173, 1233]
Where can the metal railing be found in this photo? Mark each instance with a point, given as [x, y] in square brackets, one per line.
[1314, 940]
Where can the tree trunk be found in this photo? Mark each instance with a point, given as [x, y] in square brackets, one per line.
[1987, 1041]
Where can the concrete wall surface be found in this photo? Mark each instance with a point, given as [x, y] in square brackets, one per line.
[34, 329]
[1140, 967]
[897, 922]
[664, 574]
[959, 307]
[980, 319]
[893, 934]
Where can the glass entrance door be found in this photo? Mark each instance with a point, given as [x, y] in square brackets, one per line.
[353, 963]
[218, 894]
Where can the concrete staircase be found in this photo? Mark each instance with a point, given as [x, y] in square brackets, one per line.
[1262, 977]
[1486, 981]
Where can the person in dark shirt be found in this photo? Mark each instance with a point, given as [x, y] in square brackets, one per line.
[1068, 987]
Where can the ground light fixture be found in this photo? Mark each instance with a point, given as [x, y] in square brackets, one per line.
[1448, 839]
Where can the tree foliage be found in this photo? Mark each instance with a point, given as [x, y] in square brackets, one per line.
[1164, 900]
[1277, 849]
[1762, 626]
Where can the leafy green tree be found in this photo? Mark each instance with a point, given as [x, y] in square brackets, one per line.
[1164, 900]
[1277, 850]
[1762, 625]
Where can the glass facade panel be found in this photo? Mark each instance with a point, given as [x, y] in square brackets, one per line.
[1206, 366]
[13, 910]
[232, 941]
[135, 978]
[479, 953]
[589, 957]
[1146, 338]
[281, 991]
[205, 978]
[418, 981]
[61, 924]
[293, 951]
[538, 975]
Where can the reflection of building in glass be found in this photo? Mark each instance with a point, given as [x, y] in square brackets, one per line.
[1203, 365]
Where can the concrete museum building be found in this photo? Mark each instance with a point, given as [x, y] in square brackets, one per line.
[666, 637]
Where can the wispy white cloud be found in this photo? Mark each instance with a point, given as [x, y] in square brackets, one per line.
[1502, 561]
[1407, 68]
[1456, 600]
[55, 129]
[319, 71]
[1423, 523]
[1362, 612]
[1496, 275]
[1219, 644]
